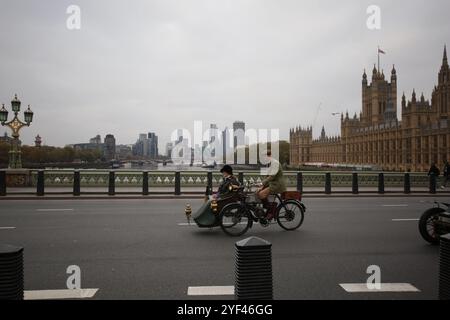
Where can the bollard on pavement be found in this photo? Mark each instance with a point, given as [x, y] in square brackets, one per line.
[433, 184]
[444, 268]
[145, 183]
[328, 183]
[209, 177]
[40, 188]
[11, 273]
[112, 183]
[76, 183]
[253, 274]
[407, 183]
[300, 182]
[381, 183]
[177, 183]
[2, 183]
[355, 189]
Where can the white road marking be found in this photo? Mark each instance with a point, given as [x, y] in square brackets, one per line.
[394, 205]
[59, 294]
[7, 228]
[211, 291]
[399, 220]
[385, 287]
[193, 224]
[53, 210]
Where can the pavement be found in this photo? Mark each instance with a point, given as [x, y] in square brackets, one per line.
[66, 193]
[143, 249]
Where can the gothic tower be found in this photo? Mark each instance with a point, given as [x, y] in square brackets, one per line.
[379, 99]
[441, 93]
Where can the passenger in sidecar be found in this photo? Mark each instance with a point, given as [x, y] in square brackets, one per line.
[207, 215]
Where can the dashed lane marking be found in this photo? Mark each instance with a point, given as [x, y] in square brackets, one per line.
[59, 294]
[53, 210]
[394, 205]
[385, 287]
[211, 291]
[400, 220]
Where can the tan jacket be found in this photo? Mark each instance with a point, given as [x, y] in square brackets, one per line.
[275, 180]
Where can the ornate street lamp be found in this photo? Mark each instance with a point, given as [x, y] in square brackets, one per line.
[15, 155]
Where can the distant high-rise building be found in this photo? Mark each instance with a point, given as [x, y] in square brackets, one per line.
[239, 133]
[152, 145]
[109, 150]
[146, 146]
[179, 137]
[123, 152]
[169, 147]
[239, 141]
[96, 140]
[94, 144]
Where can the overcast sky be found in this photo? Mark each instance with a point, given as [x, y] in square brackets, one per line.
[146, 65]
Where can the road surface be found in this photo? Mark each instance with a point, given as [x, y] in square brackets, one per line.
[143, 249]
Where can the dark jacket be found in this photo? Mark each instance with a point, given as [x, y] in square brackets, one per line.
[224, 188]
[434, 170]
[447, 170]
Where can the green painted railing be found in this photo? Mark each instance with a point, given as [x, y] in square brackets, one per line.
[191, 181]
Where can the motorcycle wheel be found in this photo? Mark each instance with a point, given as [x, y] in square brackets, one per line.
[234, 220]
[426, 225]
[290, 217]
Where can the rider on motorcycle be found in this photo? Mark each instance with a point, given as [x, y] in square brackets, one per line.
[272, 184]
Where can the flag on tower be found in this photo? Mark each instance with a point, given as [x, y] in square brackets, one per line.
[381, 51]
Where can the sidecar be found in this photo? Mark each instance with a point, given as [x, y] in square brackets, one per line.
[207, 216]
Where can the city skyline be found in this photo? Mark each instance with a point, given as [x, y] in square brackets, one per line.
[167, 69]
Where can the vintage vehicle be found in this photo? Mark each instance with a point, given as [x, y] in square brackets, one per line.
[237, 213]
[435, 222]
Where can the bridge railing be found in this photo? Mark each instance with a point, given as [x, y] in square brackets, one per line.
[195, 182]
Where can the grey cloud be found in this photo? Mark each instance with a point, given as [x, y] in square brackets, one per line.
[138, 66]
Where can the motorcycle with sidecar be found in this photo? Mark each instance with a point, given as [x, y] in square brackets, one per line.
[236, 213]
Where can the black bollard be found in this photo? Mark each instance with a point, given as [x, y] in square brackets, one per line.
[209, 179]
[40, 189]
[76, 183]
[407, 183]
[241, 178]
[253, 270]
[355, 189]
[444, 268]
[145, 183]
[300, 182]
[112, 183]
[433, 183]
[381, 183]
[11, 273]
[177, 183]
[328, 183]
[2, 183]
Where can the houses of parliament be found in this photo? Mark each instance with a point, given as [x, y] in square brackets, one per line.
[377, 138]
